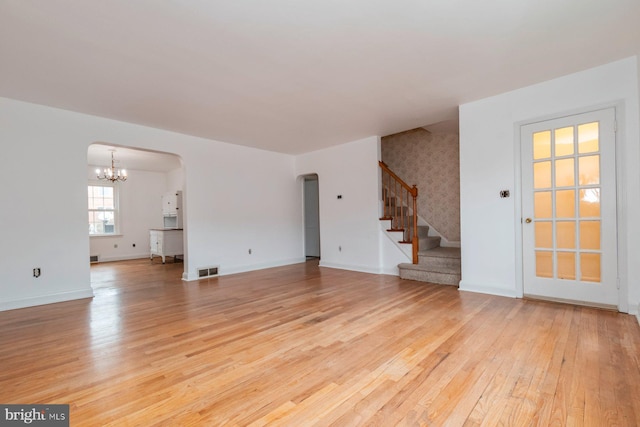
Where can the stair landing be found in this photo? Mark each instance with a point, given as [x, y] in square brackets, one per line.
[438, 265]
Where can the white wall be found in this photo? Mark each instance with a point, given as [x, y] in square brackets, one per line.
[140, 208]
[175, 180]
[488, 136]
[236, 198]
[349, 223]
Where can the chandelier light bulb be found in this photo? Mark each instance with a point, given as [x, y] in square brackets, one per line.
[111, 174]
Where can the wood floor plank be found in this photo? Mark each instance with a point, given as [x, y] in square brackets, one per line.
[304, 345]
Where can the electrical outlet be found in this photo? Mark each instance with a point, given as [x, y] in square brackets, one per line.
[36, 272]
[249, 251]
[115, 245]
[339, 248]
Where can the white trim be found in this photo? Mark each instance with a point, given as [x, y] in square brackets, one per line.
[517, 200]
[621, 220]
[45, 299]
[621, 208]
[358, 268]
[117, 232]
[222, 271]
[122, 257]
[393, 271]
[485, 289]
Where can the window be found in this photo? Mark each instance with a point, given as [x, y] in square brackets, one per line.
[103, 210]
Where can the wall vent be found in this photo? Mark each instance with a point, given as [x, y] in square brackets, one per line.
[205, 272]
[93, 259]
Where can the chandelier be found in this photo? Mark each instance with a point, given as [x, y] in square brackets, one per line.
[112, 174]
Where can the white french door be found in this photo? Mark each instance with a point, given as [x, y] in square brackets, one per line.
[569, 209]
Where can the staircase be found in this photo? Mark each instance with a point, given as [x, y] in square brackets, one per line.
[431, 262]
[435, 265]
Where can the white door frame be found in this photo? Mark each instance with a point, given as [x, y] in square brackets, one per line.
[623, 291]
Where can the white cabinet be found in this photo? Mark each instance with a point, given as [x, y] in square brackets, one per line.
[165, 243]
[172, 209]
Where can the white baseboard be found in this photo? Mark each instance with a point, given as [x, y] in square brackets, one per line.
[45, 299]
[224, 271]
[122, 257]
[392, 271]
[482, 289]
[358, 268]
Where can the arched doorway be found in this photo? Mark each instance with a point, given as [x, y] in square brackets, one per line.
[311, 208]
[121, 214]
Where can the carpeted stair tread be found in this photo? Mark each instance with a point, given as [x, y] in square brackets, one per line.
[441, 252]
[419, 273]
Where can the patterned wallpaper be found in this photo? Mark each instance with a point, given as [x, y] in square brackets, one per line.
[431, 161]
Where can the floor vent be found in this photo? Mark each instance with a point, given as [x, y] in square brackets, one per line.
[93, 259]
[207, 272]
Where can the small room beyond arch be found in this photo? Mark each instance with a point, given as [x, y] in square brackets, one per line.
[137, 205]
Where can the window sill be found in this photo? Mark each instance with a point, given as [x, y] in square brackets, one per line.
[104, 235]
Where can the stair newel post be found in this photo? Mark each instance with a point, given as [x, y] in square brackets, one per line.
[415, 240]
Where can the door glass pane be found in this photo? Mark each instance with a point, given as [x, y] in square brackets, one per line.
[588, 138]
[567, 265]
[590, 235]
[590, 202]
[564, 173]
[544, 234]
[590, 267]
[542, 145]
[564, 141]
[542, 175]
[566, 234]
[544, 264]
[565, 204]
[589, 170]
[542, 204]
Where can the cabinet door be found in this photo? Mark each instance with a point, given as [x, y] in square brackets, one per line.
[153, 241]
[169, 204]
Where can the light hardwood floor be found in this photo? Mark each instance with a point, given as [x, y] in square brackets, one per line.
[302, 345]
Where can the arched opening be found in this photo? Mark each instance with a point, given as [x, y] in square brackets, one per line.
[311, 216]
[122, 214]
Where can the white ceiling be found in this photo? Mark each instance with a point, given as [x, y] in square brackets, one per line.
[297, 75]
[99, 155]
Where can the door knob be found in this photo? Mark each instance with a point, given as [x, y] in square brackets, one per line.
[528, 220]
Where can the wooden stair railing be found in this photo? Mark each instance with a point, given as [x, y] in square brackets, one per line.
[396, 196]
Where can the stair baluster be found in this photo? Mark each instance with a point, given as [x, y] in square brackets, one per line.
[394, 195]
